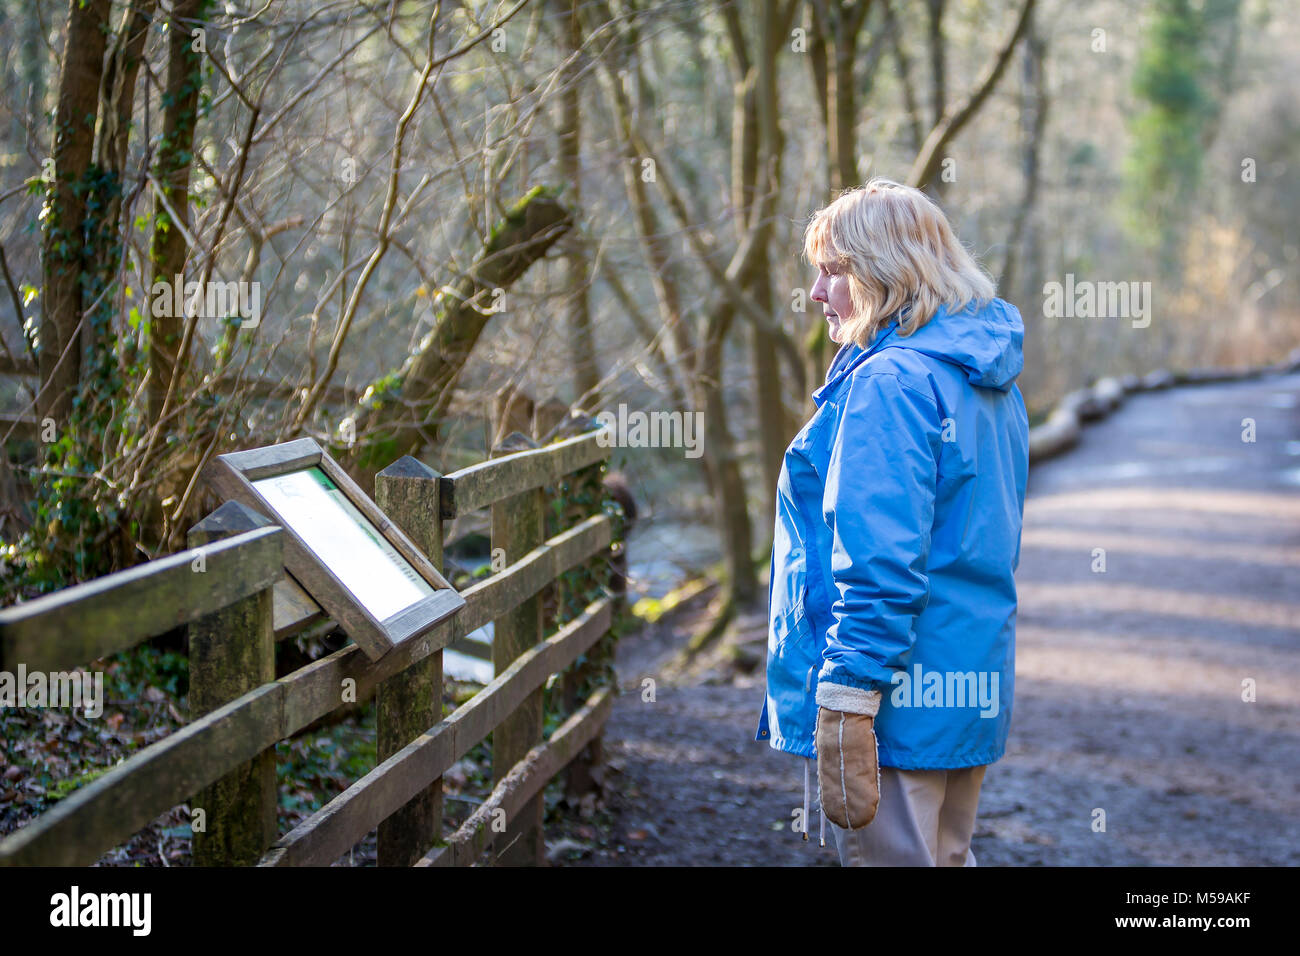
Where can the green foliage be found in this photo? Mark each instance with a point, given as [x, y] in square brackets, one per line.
[1175, 83]
[63, 788]
[578, 496]
[314, 768]
[130, 673]
[378, 452]
[88, 508]
[382, 391]
[378, 449]
[514, 216]
[76, 512]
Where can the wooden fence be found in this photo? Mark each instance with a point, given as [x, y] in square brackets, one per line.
[230, 590]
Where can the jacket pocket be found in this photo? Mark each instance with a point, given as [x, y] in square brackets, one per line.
[797, 650]
[793, 661]
[789, 584]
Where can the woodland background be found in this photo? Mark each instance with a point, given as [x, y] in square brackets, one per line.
[591, 202]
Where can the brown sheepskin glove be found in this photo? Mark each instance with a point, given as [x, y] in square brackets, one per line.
[848, 765]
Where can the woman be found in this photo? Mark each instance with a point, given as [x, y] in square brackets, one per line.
[892, 598]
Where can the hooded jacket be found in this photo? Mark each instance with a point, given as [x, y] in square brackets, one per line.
[898, 521]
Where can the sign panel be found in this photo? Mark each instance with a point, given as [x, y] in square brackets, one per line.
[341, 536]
[341, 548]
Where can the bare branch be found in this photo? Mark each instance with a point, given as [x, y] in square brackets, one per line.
[930, 158]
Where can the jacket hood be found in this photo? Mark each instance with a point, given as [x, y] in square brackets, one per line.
[986, 341]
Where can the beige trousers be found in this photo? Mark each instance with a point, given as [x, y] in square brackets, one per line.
[925, 818]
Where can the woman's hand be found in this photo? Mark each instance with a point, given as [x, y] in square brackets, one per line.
[848, 764]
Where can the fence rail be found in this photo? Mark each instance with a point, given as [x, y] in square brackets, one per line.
[242, 602]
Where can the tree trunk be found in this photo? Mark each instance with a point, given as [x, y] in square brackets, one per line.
[168, 251]
[774, 431]
[577, 264]
[103, 244]
[843, 145]
[720, 458]
[1033, 112]
[837, 25]
[59, 357]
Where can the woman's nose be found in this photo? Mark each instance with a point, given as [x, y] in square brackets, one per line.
[818, 293]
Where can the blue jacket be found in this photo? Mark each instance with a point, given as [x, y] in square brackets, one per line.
[897, 536]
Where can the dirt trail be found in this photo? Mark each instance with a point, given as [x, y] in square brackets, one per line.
[1129, 681]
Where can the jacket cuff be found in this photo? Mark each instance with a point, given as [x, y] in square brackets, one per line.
[850, 700]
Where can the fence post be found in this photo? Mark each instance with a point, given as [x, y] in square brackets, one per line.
[409, 703]
[518, 527]
[231, 653]
[512, 411]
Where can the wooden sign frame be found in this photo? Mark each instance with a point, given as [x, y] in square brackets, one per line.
[233, 475]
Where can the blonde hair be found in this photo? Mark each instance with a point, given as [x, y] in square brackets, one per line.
[899, 251]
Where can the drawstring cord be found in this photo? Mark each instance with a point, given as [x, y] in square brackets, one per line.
[807, 787]
[807, 796]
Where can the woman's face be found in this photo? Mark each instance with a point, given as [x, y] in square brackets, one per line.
[832, 290]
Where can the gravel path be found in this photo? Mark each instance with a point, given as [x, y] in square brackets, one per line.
[1129, 680]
